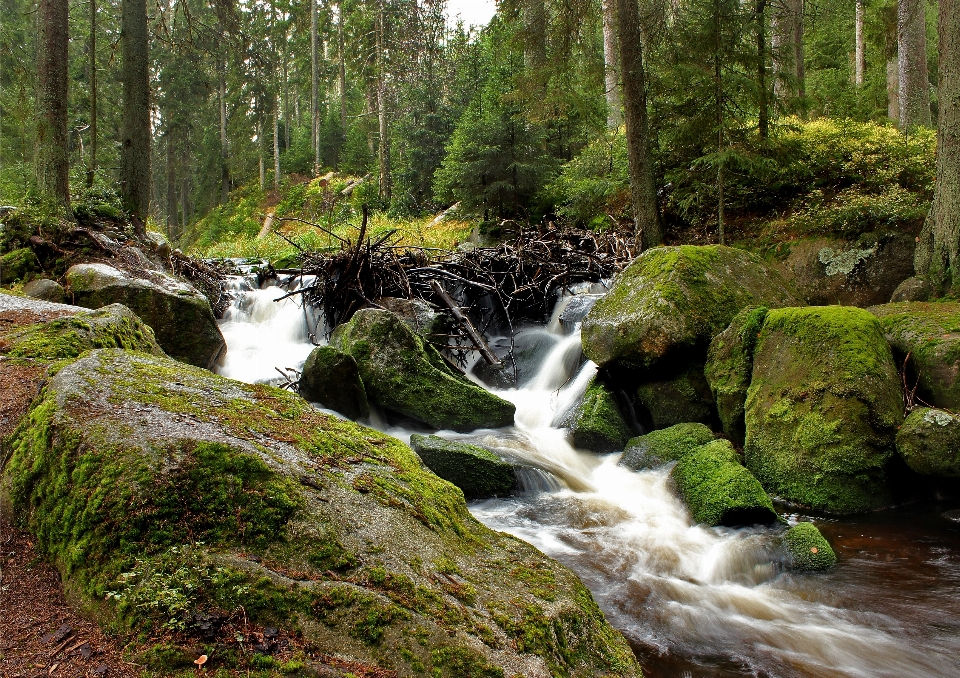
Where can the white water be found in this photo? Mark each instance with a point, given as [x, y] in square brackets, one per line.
[717, 598]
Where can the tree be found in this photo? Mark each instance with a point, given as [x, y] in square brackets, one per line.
[53, 167]
[788, 58]
[611, 67]
[938, 250]
[860, 47]
[914, 83]
[135, 141]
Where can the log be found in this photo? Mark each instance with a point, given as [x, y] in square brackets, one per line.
[443, 215]
[348, 190]
[468, 327]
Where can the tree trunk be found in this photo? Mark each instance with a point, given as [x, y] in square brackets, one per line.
[341, 81]
[763, 98]
[315, 86]
[938, 252]
[535, 28]
[53, 164]
[912, 57]
[646, 219]
[386, 178]
[276, 144]
[263, 163]
[860, 55]
[135, 144]
[893, 90]
[787, 43]
[611, 57]
[224, 149]
[94, 137]
[172, 206]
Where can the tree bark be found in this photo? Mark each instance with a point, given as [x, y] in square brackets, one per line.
[386, 177]
[611, 58]
[786, 41]
[224, 148]
[172, 207]
[938, 252]
[914, 89]
[646, 219]
[135, 143]
[763, 97]
[860, 54]
[94, 137]
[315, 86]
[276, 144]
[53, 165]
[893, 90]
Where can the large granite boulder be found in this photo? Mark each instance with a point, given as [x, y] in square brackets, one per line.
[332, 378]
[673, 300]
[929, 441]
[823, 408]
[168, 497]
[180, 316]
[402, 373]
[665, 445]
[676, 396]
[478, 472]
[930, 334]
[45, 290]
[596, 423]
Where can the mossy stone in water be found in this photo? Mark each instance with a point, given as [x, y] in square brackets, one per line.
[673, 300]
[929, 441]
[478, 472]
[332, 378]
[809, 549]
[823, 408]
[730, 366]
[677, 398]
[661, 447]
[403, 374]
[597, 423]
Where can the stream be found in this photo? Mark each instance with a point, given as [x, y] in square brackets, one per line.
[692, 601]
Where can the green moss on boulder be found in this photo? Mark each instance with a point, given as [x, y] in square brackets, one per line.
[332, 378]
[403, 374]
[730, 366]
[674, 300]
[478, 472]
[808, 548]
[661, 447]
[677, 397]
[929, 441]
[597, 424]
[18, 265]
[823, 408]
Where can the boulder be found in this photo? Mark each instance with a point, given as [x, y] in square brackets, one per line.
[418, 314]
[478, 472]
[139, 475]
[45, 290]
[577, 309]
[403, 374]
[661, 447]
[929, 441]
[18, 265]
[808, 549]
[596, 423]
[913, 289]
[718, 490]
[930, 334]
[332, 378]
[730, 366]
[180, 316]
[673, 300]
[823, 408]
[677, 397]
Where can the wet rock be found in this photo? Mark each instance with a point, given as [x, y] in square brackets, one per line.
[596, 423]
[180, 316]
[18, 265]
[953, 516]
[913, 289]
[577, 309]
[403, 374]
[332, 379]
[718, 490]
[809, 550]
[677, 397]
[729, 369]
[661, 447]
[44, 289]
[929, 441]
[418, 314]
[478, 472]
[930, 334]
[823, 408]
[671, 301]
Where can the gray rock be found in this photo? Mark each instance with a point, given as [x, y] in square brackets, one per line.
[418, 314]
[929, 441]
[677, 397]
[664, 446]
[478, 472]
[47, 290]
[912, 289]
[577, 309]
[332, 379]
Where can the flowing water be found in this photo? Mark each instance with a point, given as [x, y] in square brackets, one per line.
[693, 601]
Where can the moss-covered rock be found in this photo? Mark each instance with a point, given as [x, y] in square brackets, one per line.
[18, 265]
[597, 424]
[180, 316]
[661, 447]
[674, 300]
[677, 397]
[718, 490]
[332, 378]
[164, 493]
[930, 334]
[929, 441]
[809, 550]
[478, 472]
[823, 408]
[405, 375]
[730, 366]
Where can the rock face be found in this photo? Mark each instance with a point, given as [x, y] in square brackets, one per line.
[929, 441]
[478, 472]
[678, 398]
[180, 316]
[674, 300]
[719, 490]
[597, 424]
[661, 447]
[808, 548]
[403, 374]
[332, 379]
[139, 475]
[930, 334]
[823, 407]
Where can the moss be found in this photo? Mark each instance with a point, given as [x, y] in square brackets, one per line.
[369, 615]
[808, 548]
[462, 662]
[718, 490]
[677, 397]
[598, 425]
[18, 265]
[665, 445]
[476, 471]
[332, 379]
[929, 441]
[823, 406]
